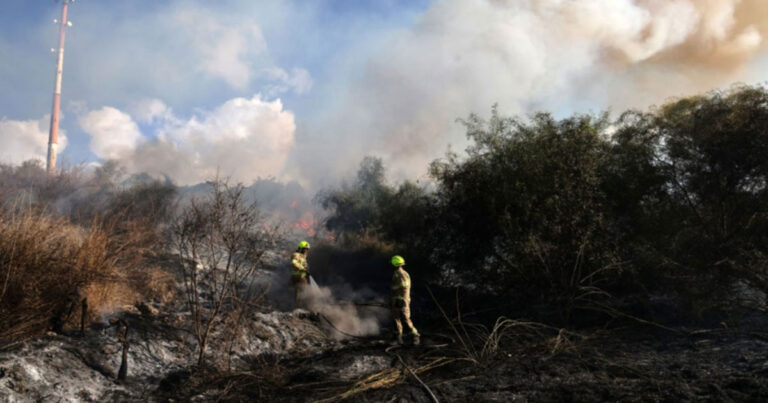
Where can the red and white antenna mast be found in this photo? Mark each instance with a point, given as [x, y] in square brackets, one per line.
[53, 135]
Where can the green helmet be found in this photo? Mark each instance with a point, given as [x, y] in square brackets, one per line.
[303, 245]
[397, 261]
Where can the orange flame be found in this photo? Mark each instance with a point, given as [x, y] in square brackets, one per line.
[306, 223]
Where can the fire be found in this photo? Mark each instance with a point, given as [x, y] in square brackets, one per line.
[306, 223]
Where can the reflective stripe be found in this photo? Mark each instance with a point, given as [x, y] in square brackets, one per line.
[299, 265]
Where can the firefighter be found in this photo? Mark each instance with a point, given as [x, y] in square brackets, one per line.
[300, 270]
[401, 300]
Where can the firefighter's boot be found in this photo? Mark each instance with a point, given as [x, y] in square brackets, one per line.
[399, 339]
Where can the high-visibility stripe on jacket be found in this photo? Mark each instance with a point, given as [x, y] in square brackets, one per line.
[298, 265]
[401, 284]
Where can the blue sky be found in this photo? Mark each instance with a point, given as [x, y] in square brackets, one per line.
[304, 89]
[310, 35]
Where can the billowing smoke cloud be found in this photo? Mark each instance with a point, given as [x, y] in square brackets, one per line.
[22, 140]
[114, 135]
[223, 49]
[298, 80]
[556, 55]
[242, 139]
[344, 317]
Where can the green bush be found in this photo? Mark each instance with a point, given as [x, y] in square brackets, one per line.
[587, 213]
[371, 215]
[524, 212]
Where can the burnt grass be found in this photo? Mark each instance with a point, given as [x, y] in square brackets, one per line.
[636, 363]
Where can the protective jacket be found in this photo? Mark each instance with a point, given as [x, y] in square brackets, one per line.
[401, 303]
[299, 267]
[401, 286]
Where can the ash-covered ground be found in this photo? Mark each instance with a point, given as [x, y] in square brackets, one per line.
[288, 354]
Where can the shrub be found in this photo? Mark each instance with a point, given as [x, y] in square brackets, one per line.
[567, 214]
[524, 213]
[48, 264]
[376, 219]
[707, 224]
[220, 241]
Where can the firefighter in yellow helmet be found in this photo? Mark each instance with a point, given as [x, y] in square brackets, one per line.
[300, 270]
[401, 300]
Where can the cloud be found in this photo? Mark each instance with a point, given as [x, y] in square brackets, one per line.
[184, 52]
[298, 80]
[243, 139]
[554, 55]
[22, 140]
[114, 134]
[224, 51]
[148, 110]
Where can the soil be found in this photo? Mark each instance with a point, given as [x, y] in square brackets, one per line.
[621, 365]
[291, 356]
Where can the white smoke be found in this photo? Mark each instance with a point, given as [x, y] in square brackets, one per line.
[114, 134]
[224, 50]
[149, 110]
[298, 80]
[344, 317]
[401, 102]
[22, 140]
[242, 139]
[554, 55]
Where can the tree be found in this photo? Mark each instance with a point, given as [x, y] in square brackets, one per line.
[220, 241]
[524, 213]
[370, 213]
[711, 150]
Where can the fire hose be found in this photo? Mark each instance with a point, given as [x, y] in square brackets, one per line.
[388, 350]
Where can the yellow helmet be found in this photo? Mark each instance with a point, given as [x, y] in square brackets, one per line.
[397, 261]
[303, 245]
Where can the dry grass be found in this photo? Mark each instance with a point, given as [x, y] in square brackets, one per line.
[155, 284]
[48, 265]
[480, 344]
[106, 297]
[383, 379]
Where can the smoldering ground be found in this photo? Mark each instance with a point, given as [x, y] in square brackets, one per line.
[343, 317]
[348, 307]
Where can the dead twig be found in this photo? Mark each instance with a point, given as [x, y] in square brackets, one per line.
[410, 371]
[614, 311]
[385, 379]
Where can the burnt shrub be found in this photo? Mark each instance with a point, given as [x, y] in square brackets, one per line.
[220, 240]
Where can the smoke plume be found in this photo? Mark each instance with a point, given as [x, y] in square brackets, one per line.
[561, 56]
[22, 140]
[242, 139]
[344, 317]
[400, 98]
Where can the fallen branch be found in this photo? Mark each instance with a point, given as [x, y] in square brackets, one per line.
[431, 394]
[614, 311]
